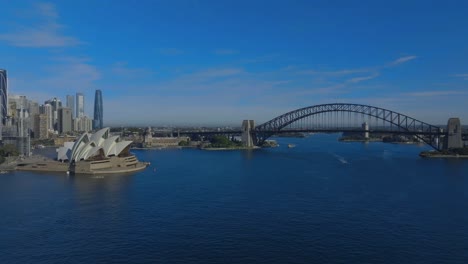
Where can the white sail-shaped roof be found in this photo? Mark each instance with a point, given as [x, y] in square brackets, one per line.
[89, 145]
[64, 153]
[109, 146]
[121, 146]
[92, 152]
[100, 136]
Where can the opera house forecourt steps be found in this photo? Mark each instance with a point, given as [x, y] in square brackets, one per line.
[98, 153]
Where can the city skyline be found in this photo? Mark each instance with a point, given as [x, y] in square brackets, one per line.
[219, 63]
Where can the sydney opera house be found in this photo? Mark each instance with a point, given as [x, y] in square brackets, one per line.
[98, 153]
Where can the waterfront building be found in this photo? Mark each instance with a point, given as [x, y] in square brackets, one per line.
[148, 138]
[98, 153]
[79, 105]
[64, 120]
[41, 126]
[165, 142]
[3, 96]
[98, 122]
[161, 142]
[61, 140]
[70, 103]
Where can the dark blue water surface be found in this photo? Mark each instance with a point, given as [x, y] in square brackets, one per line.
[321, 202]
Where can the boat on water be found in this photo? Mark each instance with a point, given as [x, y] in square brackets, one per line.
[291, 145]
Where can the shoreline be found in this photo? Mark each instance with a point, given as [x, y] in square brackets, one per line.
[360, 140]
[39, 163]
[444, 156]
[237, 148]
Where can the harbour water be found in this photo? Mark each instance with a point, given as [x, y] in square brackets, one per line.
[322, 201]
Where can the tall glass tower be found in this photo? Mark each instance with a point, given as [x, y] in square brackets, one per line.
[71, 104]
[98, 121]
[3, 96]
[79, 105]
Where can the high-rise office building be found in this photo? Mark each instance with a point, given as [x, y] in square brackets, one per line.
[79, 105]
[98, 121]
[18, 105]
[3, 96]
[46, 109]
[82, 124]
[41, 126]
[71, 104]
[33, 110]
[64, 120]
[56, 105]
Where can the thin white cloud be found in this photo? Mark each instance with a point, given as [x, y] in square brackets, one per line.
[214, 73]
[44, 34]
[462, 75]
[208, 75]
[260, 59]
[436, 93]
[225, 52]
[345, 72]
[361, 79]
[47, 10]
[334, 73]
[66, 74]
[402, 60]
[122, 69]
[171, 51]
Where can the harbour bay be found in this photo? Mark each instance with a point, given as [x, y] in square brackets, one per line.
[321, 201]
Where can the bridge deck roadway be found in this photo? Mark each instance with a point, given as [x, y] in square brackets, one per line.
[381, 131]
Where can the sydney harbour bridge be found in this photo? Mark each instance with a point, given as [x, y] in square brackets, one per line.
[354, 118]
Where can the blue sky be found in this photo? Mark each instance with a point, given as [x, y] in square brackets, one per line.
[218, 62]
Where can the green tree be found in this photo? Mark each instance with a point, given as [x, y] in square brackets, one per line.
[183, 143]
[8, 150]
[220, 141]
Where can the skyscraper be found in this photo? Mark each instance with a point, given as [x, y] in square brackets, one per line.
[98, 121]
[46, 109]
[3, 96]
[64, 120]
[71, 104]
[79, 105]
[56, 104]
[41, 126]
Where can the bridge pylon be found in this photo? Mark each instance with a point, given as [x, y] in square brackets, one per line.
[365, 127]
[248, 133]
[454, 134]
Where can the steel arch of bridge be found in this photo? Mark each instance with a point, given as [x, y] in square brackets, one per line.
[403, 122]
